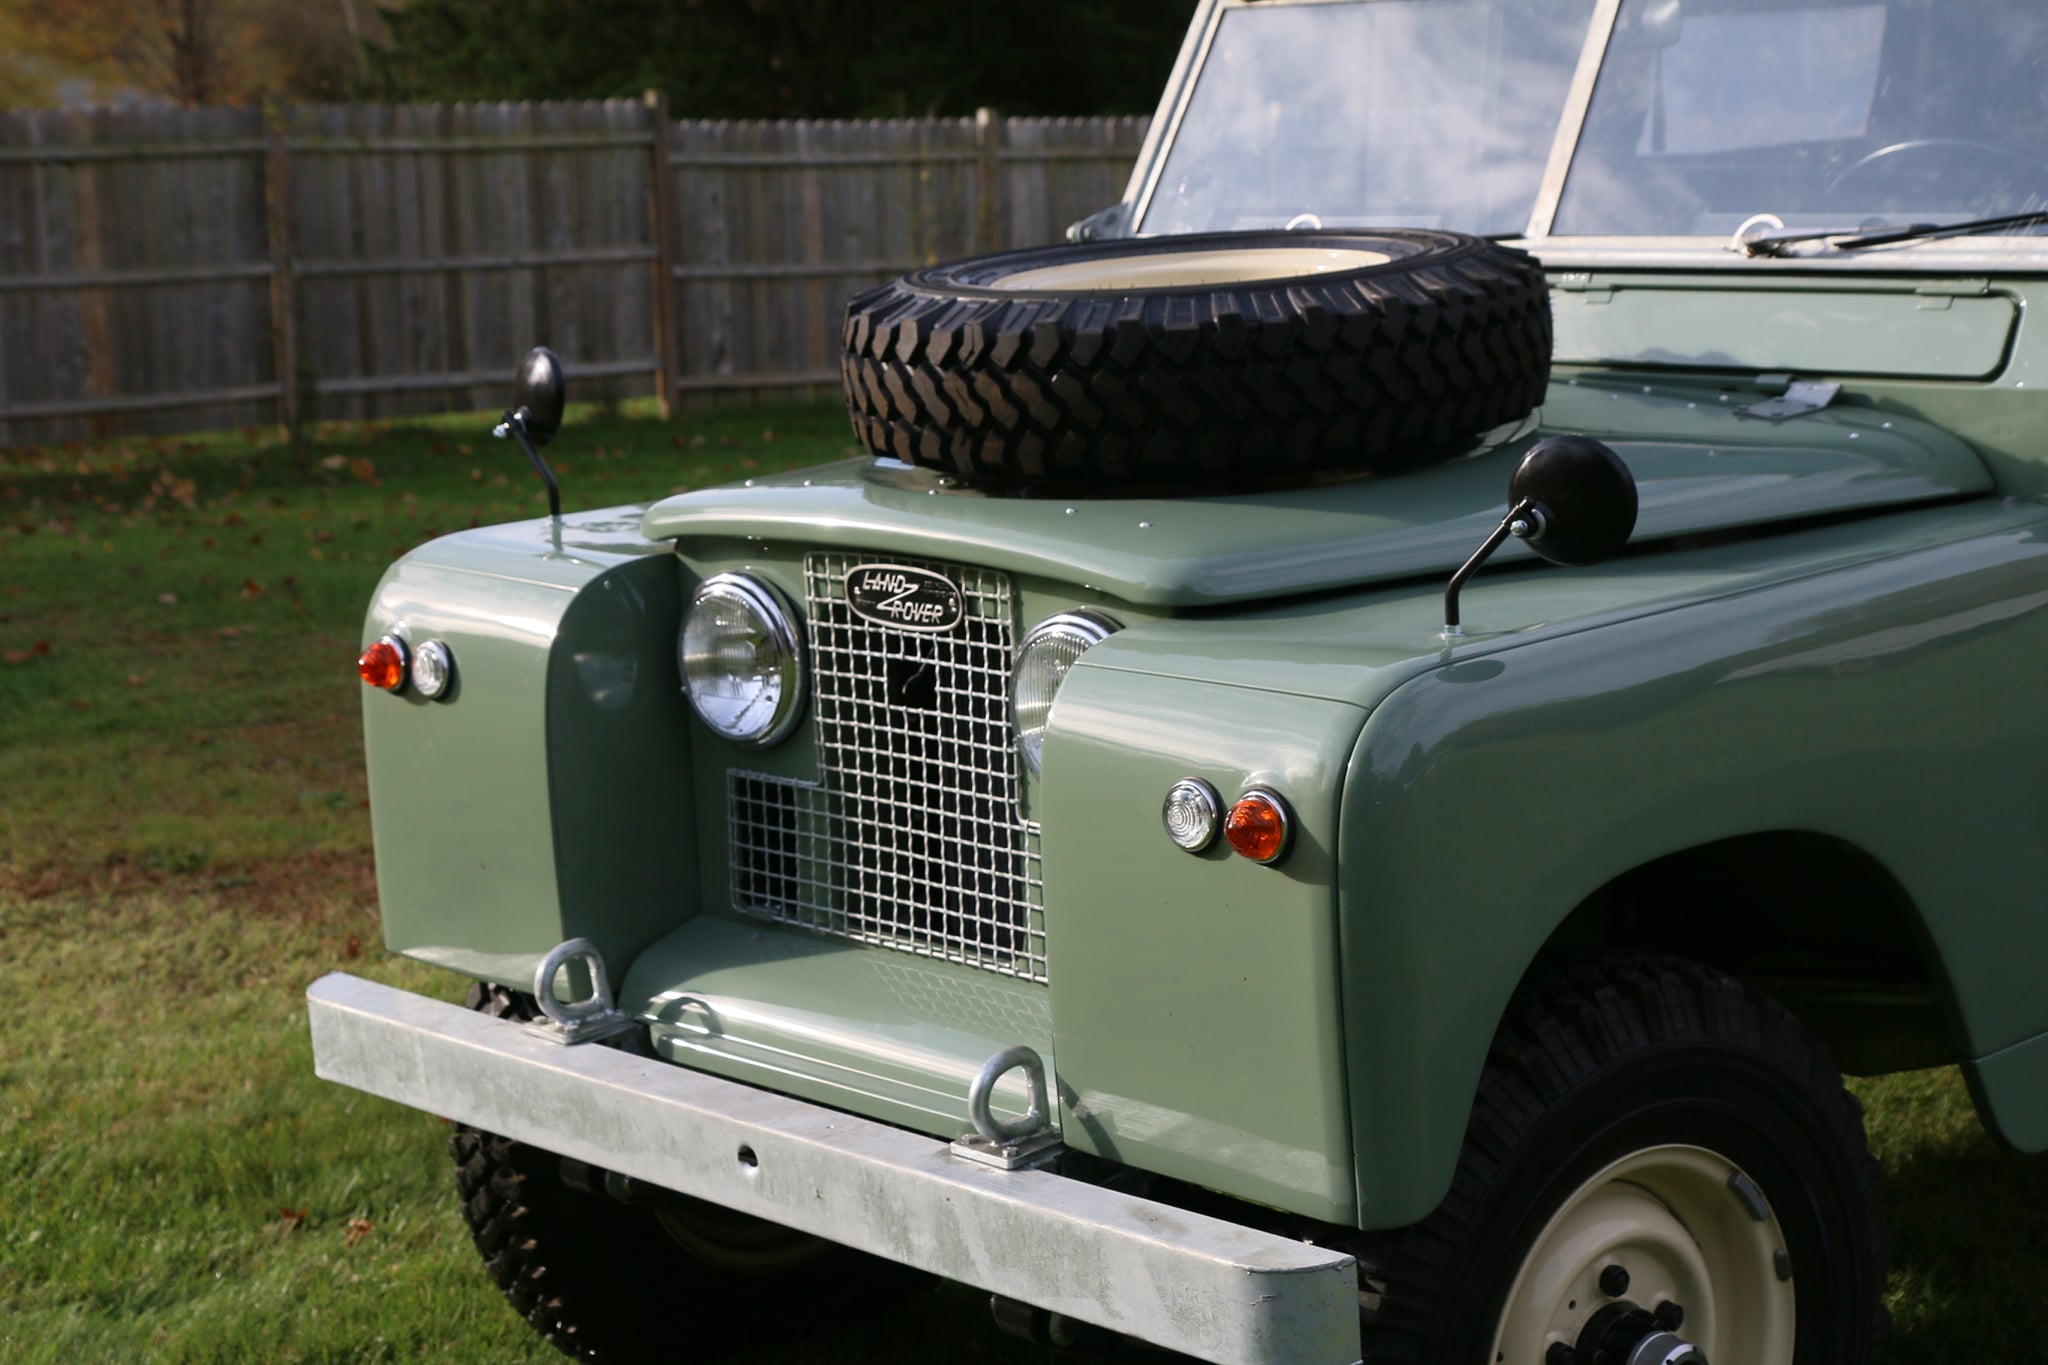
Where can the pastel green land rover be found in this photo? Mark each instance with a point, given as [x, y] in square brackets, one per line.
[1371, 738]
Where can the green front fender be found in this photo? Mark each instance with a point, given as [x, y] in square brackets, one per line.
[546, 797]
[1196, 1021]
[1886, 705]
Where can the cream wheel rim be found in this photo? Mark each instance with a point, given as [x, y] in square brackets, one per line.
[1190, 269]
[1690, 1228]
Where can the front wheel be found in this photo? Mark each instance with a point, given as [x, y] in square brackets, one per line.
[1662, 1169]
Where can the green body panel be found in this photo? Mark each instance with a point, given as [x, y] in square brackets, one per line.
[1699, 468]
[543, 775]
[1195, 1000]
[1492, 796]
[1929, 328]
[2000, 418]
[480, 895]
[887, 1034]
[2011, 1088]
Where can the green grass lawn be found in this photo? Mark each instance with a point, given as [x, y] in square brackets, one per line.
[184, 845]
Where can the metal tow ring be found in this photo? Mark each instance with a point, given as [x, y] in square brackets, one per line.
[576, 1021]
[984, 1088]
[1008, 1145]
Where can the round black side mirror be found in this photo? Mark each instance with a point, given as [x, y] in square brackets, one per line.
[1576, 500]
[1571, 498]
[540, 395]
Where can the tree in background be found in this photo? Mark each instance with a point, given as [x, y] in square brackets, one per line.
[716, 58]
[188, 52]
[788, 58]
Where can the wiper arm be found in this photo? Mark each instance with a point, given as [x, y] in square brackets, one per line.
[1917, 232]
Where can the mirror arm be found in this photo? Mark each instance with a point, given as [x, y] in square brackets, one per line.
[1524, 513]
[514, 425]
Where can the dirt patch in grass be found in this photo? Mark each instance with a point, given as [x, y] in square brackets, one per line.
[308, 885]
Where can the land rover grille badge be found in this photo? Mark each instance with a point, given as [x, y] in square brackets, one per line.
[904, 597]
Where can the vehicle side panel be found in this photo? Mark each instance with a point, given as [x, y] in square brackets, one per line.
[479, 897]
[551, 773]
[1887, 705]
[1195, 997]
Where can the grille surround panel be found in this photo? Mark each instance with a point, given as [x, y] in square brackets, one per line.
[912, 837]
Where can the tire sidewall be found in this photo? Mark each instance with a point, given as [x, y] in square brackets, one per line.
[1727, 1101]
[1408, 250]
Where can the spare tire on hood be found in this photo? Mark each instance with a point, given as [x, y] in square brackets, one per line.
[1190, 363]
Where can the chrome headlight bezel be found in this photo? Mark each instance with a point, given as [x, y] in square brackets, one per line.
[776, 622]
[1078, 630]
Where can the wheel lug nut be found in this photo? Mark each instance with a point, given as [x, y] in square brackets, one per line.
[1670, 1316]
[1614, 1281]
[1560, 1354]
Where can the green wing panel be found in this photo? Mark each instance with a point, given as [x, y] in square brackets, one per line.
[547, 797]
[1194, 997]
[1886, 705]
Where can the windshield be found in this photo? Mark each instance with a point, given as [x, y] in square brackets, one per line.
[1823, 115]
[1417, 113]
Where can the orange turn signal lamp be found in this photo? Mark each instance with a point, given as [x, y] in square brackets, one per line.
[384, 664]
[1259, 826]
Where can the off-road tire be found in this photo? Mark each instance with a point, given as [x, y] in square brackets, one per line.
[1194, 387]
[603, 1281]
[1619, 1055]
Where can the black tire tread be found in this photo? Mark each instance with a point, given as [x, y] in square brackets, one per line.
[1376, 371]
[580, 1270]
[1572, 1021]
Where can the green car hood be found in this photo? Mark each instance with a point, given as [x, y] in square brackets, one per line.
[1700, 467]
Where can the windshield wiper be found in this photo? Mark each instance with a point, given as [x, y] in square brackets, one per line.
[1917, 232]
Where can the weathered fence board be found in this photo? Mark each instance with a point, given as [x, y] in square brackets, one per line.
[174, 269]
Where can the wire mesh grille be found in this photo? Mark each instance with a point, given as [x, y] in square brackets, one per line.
[913, 838]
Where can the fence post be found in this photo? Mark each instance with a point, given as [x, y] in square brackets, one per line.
[284, 283]
[988, 144]
[661, 226]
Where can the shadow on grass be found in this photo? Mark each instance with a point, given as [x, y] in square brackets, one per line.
[1969, 1254]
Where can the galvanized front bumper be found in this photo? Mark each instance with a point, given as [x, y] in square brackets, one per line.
[1201, 1286]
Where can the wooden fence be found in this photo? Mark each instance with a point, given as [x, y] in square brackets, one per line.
[184, 269]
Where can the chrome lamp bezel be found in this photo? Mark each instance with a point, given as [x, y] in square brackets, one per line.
[1086, 624]
[772, 610]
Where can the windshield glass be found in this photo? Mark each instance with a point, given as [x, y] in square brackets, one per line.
[1417, 113]
[1827, 115]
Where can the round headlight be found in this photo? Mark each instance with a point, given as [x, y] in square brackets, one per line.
[1042, 663]
[742, 660]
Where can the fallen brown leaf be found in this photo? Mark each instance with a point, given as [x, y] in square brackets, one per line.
[291, 1219]
[358, 1229]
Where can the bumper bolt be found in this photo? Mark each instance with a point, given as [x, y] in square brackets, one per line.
[1614, 1281]
[1670, 1316]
